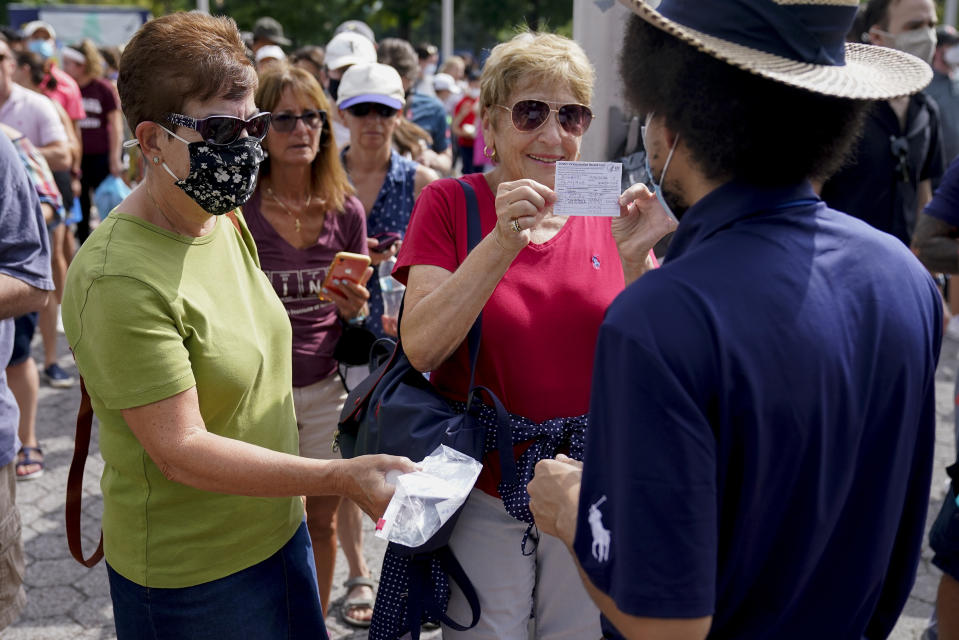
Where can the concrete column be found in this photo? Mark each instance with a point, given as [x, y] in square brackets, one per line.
[598, 28]
[950, 14]
[446, 44]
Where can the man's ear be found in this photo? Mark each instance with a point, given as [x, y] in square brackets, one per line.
[876, 36]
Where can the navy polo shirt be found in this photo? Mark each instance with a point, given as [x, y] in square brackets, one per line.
[945, 204]
[762, 424]
[879, 183]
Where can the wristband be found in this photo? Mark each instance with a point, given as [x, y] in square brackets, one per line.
[357, 321]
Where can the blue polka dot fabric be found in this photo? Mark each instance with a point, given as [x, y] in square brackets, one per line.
[390, 212]
[392, 598]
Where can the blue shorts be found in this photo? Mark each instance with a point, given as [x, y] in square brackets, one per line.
[276, 599]
[24, 328]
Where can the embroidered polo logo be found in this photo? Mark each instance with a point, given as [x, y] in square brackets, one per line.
[596, 263]
[601, 535]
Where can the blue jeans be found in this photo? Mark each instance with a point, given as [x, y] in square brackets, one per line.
[276, 599]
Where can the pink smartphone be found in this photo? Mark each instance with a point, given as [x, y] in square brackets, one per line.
[347, 266]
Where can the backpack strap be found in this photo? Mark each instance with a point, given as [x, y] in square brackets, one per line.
[474, 234]
[421, 597]
[81, 448]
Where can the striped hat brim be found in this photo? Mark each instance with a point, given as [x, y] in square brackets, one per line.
[870, 72]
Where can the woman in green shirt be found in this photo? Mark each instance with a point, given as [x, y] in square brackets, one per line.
[186, 354]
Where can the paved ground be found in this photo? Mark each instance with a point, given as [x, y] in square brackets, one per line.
[68, 601]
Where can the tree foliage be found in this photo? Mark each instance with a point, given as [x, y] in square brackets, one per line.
[478, 24]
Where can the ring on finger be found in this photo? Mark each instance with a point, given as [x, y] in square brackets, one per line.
[515, 226]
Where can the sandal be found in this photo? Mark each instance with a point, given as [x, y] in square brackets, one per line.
[25, 458]
[351, 605]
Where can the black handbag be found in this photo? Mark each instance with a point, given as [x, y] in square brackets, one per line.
[396, 410]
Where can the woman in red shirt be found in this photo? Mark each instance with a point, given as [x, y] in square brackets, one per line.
[542, 283]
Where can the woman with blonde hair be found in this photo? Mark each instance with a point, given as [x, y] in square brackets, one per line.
[302, 213]
[542, 283]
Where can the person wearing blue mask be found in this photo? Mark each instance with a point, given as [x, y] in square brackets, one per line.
[763, 414]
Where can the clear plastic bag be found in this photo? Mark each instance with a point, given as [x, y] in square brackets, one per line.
[424, 500]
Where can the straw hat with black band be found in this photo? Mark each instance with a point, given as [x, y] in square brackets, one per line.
[800, 43]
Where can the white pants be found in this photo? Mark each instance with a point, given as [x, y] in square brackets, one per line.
[317, 414]
[510, 586]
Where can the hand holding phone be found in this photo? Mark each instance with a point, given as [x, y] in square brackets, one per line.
[347, 266]
[385, 240]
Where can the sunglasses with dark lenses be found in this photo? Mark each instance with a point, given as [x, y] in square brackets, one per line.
[364, 109]
[286, 122]
[221, 130]
[530, 115]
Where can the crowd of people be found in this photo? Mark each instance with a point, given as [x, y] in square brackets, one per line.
[731, 437]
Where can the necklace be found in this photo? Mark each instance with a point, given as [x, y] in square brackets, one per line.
[296, 220]
[169, 222]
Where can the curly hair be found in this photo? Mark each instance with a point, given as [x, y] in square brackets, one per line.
[734, 123]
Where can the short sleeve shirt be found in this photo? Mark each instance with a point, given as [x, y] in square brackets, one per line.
[149, 314]
[429, 113]
[540, 324]
[762, 424]
[880, 180]
[67, 93]
[99, 100]
[296, 276]
[25, 256]
[33, 115]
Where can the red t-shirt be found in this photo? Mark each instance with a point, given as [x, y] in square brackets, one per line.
[466, 103]
[540, 324]
[67, 94]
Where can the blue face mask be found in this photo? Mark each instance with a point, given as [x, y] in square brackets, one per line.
[658, 184]
[41, 47]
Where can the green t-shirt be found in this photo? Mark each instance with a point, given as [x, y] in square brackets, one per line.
[149, 314]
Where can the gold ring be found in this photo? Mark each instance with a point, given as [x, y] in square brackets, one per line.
[516, 226]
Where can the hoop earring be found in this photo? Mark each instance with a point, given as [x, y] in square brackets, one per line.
[490, 154]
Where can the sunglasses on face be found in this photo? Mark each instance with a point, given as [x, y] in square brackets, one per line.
[221, 130]
[530, 115]
[365, 108]
[286, 122]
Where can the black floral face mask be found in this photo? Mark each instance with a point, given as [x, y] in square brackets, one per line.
[222, 177]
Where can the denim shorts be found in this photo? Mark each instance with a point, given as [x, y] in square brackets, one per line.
[276, 599]
[25, 327]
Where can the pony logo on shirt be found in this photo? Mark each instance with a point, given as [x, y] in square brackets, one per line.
[595, 261]
[601, 535]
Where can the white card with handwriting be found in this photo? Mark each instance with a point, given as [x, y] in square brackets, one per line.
[588, 188]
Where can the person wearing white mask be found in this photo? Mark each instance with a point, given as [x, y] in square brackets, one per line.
[899, 156]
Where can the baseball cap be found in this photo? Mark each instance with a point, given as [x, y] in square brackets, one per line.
[356, 26]
[32, 27]
[266, 28]
[372, 82]
[270, 51]
[349, 48]
[444, 82]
